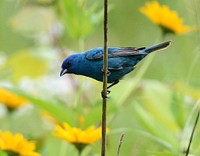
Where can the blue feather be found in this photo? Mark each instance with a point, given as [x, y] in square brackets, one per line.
[121, 61]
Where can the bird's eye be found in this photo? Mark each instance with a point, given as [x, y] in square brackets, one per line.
[69, 64]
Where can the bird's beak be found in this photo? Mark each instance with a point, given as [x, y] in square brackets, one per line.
[63, 72]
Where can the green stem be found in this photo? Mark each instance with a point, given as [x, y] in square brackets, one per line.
[192, 134]
[105, 69]
[120, 143]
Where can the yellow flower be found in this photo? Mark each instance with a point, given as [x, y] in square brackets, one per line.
[167, 19]
[10, 99]
[76, 136]
[17, 144]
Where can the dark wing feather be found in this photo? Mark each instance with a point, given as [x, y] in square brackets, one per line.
[97, 53]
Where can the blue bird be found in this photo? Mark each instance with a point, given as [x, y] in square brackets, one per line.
[121, 61]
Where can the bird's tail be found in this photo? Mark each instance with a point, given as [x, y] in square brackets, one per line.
[156, 47]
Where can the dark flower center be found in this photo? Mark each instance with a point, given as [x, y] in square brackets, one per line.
[166, 30]
[11, 153]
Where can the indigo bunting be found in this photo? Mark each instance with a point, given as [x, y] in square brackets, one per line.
[121, 61]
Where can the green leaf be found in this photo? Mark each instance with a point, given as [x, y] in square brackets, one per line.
[79, 20]
[155, 128]
[157, 100]
[58, 111]
[162, 142]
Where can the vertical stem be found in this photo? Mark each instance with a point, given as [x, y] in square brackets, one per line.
[105, 69]
[192, 134]
[120, 143]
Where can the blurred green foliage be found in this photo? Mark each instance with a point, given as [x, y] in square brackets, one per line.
[79, 20]
[155, 105]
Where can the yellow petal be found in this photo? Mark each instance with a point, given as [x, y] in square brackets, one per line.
[164, 17]
[17, 143]
[76, 135]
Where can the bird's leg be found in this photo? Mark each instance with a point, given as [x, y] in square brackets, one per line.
[108, 92]
[112, 84]
[103, 95]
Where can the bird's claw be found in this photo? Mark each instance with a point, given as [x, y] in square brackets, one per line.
[105, 96]
[108, 72]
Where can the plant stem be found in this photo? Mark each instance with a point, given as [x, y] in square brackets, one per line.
[120, 143]
[191, 137]
[105, 69]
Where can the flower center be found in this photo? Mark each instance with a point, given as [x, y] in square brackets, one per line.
[80, 146]
[11, 153]
[166, 30]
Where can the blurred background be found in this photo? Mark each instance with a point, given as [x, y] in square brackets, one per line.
[155, 105]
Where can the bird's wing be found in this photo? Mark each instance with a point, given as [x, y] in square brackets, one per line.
[97, 53]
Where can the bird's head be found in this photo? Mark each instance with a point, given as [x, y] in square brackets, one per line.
[70, 65]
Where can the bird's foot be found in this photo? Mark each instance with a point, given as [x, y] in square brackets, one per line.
[105, 96]
[108, 72]
[108, 91]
